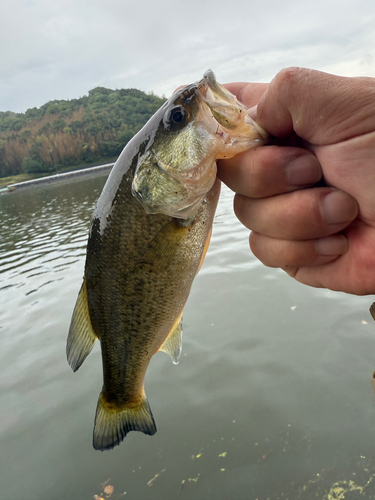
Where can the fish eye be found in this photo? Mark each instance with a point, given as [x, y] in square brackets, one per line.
[177, 116]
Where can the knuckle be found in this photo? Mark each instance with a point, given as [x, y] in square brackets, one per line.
[288, 76]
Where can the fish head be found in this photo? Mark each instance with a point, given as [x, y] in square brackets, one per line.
[197, 125]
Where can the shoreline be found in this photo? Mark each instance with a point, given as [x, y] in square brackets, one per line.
[57, 177]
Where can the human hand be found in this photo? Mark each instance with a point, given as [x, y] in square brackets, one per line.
[311, 203]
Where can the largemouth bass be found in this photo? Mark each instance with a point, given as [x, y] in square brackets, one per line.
[148, 237]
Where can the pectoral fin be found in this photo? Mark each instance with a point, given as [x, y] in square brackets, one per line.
[173, 343]
[81, 337]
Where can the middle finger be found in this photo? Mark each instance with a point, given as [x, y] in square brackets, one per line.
[300, 215]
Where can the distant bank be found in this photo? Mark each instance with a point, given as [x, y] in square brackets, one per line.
[59, 177]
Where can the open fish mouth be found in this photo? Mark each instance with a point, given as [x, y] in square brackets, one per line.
[229, 113]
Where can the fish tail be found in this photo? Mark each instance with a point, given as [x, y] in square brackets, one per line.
[113, 423]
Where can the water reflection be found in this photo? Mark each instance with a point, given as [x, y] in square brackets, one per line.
[43, 232]
[272, 397]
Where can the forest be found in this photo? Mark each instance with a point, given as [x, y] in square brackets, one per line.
[67, 133]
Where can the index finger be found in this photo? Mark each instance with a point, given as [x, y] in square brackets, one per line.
[247, 93]
[319, 107]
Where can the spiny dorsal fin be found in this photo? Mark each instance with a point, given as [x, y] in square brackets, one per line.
[81, 337]
[173, 343]
[112, 423]
[372, 310]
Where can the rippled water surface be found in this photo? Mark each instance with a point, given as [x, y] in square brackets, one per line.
[272, 398]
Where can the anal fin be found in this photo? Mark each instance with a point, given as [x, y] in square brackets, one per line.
[173, 343]
[81, 337]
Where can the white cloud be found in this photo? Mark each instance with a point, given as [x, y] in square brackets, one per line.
[64, 48]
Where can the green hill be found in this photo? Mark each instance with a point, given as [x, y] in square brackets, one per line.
[63, 134]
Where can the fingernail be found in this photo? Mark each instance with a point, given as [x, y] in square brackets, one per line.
[303, 170]
[339, 207]
[332, 245]
[252, 112]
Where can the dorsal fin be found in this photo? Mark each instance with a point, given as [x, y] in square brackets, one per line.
[173, 343]
[81, 337]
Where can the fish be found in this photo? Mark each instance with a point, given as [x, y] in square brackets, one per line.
[149, 234]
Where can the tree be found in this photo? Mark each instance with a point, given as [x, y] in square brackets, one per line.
[64, 133]
[31, 166]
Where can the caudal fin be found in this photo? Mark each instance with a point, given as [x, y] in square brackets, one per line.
[112, 423]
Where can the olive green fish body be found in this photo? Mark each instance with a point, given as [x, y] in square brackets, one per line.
[148, 236]
[138, 274]
[141, 293]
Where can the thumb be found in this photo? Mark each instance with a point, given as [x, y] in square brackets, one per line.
[319, 107]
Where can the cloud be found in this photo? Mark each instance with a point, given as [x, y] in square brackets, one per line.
[64, 48]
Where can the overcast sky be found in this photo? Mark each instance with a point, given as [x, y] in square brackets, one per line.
[61, 49]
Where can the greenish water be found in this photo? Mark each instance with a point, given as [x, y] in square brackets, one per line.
[272, 398]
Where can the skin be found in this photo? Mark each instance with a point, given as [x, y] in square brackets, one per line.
[309, 197]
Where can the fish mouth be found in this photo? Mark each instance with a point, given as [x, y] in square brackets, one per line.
[209, 83]
[228, 114]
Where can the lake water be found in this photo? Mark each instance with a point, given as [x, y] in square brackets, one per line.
[272, 398]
